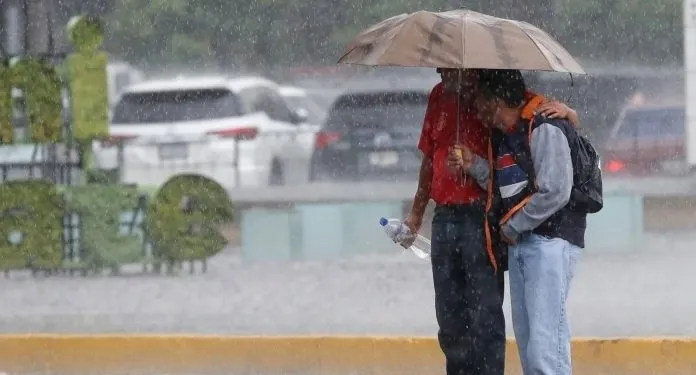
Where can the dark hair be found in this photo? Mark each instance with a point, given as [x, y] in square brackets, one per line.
[506, 85]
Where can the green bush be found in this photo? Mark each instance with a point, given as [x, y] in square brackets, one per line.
[32, 210]
[185, 216]
[86, 33]
[88, 79]
[6, 126]
[100, 207]
[41, 88]
[88, 89]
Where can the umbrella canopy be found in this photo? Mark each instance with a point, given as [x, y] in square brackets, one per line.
[459, 39]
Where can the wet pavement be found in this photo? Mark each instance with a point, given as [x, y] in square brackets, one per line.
[644, 293]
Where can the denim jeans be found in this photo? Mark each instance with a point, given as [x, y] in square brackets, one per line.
[541, 270]
[468, 293]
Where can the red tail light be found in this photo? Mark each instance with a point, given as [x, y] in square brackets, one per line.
[324, 139]
[115, 139]
[615, 166]
[242, 134]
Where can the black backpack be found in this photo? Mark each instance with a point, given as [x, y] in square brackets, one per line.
[586, 195]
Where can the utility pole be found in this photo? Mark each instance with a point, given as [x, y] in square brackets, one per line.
[27, 27]
[689, 13]
[12, 30]
[38, 27]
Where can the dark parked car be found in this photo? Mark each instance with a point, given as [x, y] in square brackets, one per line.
[371, 135]
[647, 140]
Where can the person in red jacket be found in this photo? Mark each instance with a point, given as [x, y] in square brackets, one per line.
[469, 286]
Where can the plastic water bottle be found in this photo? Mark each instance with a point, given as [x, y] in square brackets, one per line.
[400, 233]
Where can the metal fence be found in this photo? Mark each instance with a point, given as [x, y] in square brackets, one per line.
[130, 224]
[58, 163]
[61, 165]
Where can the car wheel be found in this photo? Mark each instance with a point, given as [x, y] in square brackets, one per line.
[276, 178]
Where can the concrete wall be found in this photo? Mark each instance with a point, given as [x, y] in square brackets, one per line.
[315, 231]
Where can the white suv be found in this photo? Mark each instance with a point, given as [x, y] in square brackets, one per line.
[238, 131]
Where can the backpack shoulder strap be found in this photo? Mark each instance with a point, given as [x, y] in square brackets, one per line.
[529, 109]
[525, 161]
[523, 151]
[533, 121]
[524, 157]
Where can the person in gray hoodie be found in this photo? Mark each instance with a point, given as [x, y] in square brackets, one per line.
[530, 174]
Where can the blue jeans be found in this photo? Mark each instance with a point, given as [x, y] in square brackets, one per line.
[541, 270]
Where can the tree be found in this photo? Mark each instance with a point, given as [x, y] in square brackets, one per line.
[646, 31]
[263, 33]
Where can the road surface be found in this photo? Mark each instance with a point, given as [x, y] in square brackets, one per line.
[648, 292]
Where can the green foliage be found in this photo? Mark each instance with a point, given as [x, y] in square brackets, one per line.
[185, 216]
[163, 30]
[100, 176]
[646, 31]
[268, 32]
[6, 126]
[100, 208]
[33, 210]
[184, 219]
[86, 33]
[41, 87]
[88, 87]
[255, 33]
[88, 81]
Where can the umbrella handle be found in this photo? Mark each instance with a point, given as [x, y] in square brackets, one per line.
[459, 100]
[466, 175]
[459, 117]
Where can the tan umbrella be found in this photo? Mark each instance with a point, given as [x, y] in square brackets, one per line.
[459, 39]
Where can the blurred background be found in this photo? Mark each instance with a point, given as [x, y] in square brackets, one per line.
[239, 105]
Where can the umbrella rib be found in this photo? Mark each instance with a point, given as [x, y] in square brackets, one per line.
[536, 44]
[386, 49]
[403, 27]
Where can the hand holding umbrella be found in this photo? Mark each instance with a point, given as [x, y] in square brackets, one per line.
[460, 159]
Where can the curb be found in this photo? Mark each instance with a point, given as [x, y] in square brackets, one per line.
[309, 355]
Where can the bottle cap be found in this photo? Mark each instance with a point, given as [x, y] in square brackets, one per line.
[383, 221]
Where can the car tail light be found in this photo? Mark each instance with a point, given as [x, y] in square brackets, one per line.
[115, 139]
[324, 139]
[242, 134]
[615, 166]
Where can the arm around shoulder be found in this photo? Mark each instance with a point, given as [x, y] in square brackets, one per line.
[480, 171]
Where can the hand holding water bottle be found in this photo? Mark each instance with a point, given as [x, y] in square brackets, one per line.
[413, 221]
[400, 233]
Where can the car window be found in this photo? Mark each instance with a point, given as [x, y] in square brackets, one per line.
[315, 115]
[248, 98]
[323, 98]
[121, 80]
[176, 106]
[652, 123]
[382, 110]
[273, 105]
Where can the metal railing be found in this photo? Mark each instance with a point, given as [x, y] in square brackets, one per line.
[57, 163]
[61, 165]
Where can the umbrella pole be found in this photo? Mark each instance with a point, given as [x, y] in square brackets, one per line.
[459, 99]
[459, 116]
